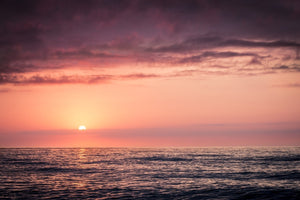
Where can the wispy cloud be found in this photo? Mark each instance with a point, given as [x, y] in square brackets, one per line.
[214, 54]
[210, 42]
[4, 90]
[37, 79]
[71, 79]
[289, 85]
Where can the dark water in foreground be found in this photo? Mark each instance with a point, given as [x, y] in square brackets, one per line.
[166, 173]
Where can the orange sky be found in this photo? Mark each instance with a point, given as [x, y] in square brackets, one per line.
[151, 103]
[245, 103]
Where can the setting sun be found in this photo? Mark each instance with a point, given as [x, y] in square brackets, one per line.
[82, 128]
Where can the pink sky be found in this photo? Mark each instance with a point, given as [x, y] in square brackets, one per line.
[149, 73]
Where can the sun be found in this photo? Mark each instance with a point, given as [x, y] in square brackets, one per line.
[82, 128]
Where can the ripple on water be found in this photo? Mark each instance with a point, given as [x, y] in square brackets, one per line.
[124, 173]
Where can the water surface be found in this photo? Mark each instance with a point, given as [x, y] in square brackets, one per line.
[150, 173]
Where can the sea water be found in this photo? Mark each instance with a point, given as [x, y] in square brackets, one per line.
[150, 173]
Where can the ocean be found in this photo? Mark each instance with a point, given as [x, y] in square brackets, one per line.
[150, 173]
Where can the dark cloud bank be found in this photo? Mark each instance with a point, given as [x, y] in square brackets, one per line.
[54, 34]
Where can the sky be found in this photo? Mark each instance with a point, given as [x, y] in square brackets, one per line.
[149, 73]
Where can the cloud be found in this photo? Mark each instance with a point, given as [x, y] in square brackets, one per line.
[293, 85]
[140, 76]
[211, 42]
[289, 85]
[295, 68]
[71, 79]
[255, 61]
[4, 90]
[37, 79]
[271, 44]
[190, 72]
[62, 35]
[214, 54]
[281, 67]
[82, 54]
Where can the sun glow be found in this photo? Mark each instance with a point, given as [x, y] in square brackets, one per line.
[82, 128]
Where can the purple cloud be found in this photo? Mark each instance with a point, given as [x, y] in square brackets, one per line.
[213, 54]
[61, 35]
